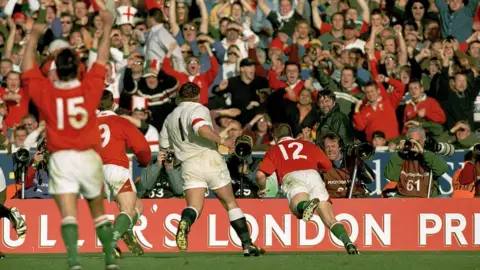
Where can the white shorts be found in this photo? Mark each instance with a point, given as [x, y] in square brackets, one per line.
[3, 182]
[205, 170]
[305, 181]
[117, 180]
[78, 172]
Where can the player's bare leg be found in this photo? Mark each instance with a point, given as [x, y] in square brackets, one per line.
[302, 206]
[67, 204]
[195, 198]
[325, 211]
[126, 204]
[104, 231]
[237, 220]
[129, 237]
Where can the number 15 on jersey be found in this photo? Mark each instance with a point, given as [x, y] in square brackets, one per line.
[77, 115]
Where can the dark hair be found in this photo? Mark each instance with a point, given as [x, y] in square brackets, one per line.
[333, 137]
[106, 103]
[289, 63]
[357, 52]
[414, 80]
[352, 69]
[7, 60]
[189, 91]
[376, 12]
[370, 84]
[67, 65]
[337, 14]
[156, 14]
[20, 128]
[327, 94]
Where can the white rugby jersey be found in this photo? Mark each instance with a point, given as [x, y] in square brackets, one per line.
[180, 130]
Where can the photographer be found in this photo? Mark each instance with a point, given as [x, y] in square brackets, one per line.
[239, 165]
[338, 180]
[469, 178]
[162, 179]
[411, 167]
[37, 176]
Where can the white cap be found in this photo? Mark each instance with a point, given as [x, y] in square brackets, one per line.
[126, 15]
[58, 44]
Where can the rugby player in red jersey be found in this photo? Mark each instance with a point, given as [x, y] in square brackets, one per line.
[118, 134]
[69, 109]
[296, 163]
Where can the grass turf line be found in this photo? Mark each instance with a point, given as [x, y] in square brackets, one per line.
[271, 261]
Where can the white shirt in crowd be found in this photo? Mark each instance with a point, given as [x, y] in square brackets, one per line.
[180, 130]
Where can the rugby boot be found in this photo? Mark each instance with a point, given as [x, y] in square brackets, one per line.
[182, 235]
[252, 250]
[132, 243]
[351, 249]
[118, 252]
[18, 222]
[310, 209]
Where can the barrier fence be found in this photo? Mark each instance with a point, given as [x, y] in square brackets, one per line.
[374, 225]
[377, 163]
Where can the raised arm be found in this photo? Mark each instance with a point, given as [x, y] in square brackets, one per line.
[29, 55]
[204, 15]
[104, 47]
[365, 11]
[300, 7]
[172, 14]
[263, 7]
[11, 37]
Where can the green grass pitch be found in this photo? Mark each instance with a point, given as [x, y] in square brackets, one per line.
[271, 261]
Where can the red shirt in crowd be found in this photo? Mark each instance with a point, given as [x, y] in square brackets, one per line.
[69, 108]
[291, 155]
[117, 134]
[431, 111]
[204, 80]
[16, 110]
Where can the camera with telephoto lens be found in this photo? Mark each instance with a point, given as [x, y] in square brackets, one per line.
[440, 148]
[362, 151]
[42, 149]
[243, 147]
[21, 156]
[407, 147]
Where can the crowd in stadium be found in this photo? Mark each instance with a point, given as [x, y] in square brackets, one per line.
[366, 70]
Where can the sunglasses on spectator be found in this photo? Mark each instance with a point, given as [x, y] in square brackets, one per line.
[138, 63]
[66, 22]
[232, 53]
[133, 44]
[187, 52]
[186, 28]
[390, 58]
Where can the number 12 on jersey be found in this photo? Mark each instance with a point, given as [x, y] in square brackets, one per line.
[77, 115]
[296, 153]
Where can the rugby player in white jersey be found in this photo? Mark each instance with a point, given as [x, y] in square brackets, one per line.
[188, 129]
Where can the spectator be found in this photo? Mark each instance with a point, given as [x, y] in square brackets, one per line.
[159, 39]
[242, 90]
[16, 100]
[456, 18]
[421, 106]
[203, 80]
[259, 129]
[332, 120]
